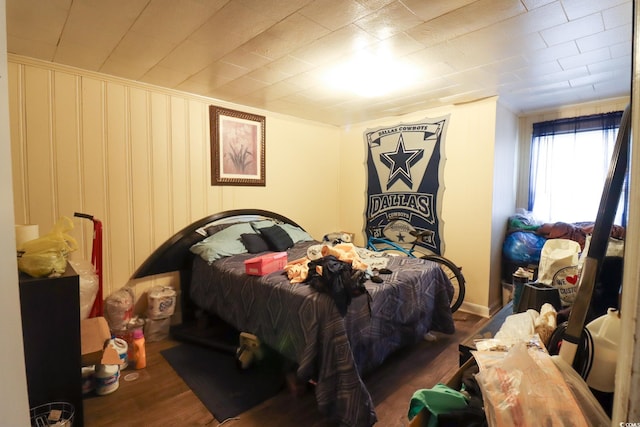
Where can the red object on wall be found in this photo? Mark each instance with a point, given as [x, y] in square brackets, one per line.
[96, 260]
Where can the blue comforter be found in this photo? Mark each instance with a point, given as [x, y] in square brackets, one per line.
[306, 327]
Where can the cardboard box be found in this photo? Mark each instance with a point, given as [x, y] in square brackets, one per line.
[265, 264]
[94, 337]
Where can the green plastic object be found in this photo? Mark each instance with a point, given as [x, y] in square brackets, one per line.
[440, 399]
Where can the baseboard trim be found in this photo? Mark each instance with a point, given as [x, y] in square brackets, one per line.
[477, 309]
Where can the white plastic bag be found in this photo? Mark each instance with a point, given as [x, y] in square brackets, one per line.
[118, 308]
[556, 254]
[88, 285]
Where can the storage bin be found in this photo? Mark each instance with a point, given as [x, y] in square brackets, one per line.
[265, 264]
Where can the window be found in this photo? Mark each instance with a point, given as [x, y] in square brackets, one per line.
[569, 166]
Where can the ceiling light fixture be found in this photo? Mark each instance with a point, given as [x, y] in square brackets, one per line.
[371, 76]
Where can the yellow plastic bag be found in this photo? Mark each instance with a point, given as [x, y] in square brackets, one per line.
[47, 255]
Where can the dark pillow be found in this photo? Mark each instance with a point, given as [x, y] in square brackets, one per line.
[213, 229]
[277, 238]
[254, 243]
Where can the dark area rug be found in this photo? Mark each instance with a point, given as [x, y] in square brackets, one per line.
[223, 388]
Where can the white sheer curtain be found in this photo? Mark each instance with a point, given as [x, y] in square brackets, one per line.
[569, 165]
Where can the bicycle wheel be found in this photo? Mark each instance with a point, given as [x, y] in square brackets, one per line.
[454, 274]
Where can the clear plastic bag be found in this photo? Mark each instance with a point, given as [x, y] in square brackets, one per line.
[118, 308]
[47, 255]
[527, 389]
[89, 285]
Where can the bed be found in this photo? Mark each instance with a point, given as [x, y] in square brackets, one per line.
[302, 324]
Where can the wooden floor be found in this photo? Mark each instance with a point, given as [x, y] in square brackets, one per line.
[159, 397]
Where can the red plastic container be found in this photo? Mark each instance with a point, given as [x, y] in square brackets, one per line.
[265, 264]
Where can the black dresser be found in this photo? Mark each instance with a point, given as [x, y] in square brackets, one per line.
[51, 334]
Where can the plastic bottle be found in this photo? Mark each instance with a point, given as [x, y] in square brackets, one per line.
[107, 379]
[121, 347]
[605, 331]
[139, 352]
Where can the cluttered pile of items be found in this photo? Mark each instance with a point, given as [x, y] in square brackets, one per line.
[112, 338]
[553, 361]
[517, 377]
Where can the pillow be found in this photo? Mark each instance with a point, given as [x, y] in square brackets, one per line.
[264, 223]
[212, 228]
[297, 234]
[223, 243]
[254, 243]
[277, 238]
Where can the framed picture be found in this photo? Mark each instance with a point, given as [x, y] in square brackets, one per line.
[237, 147]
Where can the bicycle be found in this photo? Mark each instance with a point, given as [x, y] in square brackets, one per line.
[452, 271]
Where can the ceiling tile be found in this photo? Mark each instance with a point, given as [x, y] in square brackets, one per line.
[140, 52]
[34, 49]
[241, 86]
[540, 56]
[298, 28]
[586, 58]
[536, 20]
[580, 8]
[334, 14]
[374, 4]
[591, 79]
[275, 10]
[268, 46]
[465, 20]
[536, 69]
[545, 77]
[334, 45]
[621, 49]
[174, 20]
[534, 4]
[619, 63]
[388, 21]
[36, 20]
[268, 74]
[619, 15]
[234, 23]
[80, 55]
[165, 77]
[400, 44]
[218, 74]
[190, 57]
[428, 10]
[291, 65]
[605, 38]
[276, 91]
[573, 29]
[245, 59]
[274, 55]
[100, 25]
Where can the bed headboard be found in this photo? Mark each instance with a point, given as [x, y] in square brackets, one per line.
[174, 254]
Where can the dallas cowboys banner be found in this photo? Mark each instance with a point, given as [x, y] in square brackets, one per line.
[405, 166]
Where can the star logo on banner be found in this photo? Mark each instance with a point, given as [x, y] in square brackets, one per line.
[400, 162]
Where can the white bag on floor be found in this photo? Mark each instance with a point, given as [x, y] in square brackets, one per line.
[556, 254]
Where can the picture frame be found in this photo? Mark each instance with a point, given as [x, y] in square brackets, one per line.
[237, 147]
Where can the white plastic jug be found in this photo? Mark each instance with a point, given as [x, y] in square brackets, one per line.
[605, 331]
[107, 379]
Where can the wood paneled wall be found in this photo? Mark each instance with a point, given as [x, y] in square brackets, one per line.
[138, 158]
